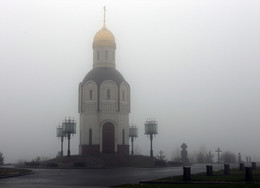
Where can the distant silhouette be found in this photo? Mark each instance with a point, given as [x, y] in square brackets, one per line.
[184, 153]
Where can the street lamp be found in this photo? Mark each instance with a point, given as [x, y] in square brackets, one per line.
[68, 128]
[133, 133]
[60, 135]
[151, 129]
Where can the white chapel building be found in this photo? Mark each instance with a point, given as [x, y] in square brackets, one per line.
[104, 101]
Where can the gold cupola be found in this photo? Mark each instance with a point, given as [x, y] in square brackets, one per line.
[104, 37]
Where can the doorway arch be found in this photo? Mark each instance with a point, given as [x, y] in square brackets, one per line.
[108, 138]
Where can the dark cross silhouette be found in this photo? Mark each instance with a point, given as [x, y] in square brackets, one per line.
[218, 151]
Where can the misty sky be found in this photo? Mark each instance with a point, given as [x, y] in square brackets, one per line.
[192, 65]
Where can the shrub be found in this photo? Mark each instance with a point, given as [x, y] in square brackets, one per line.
[79, 164]
[32, 163]
[52, 165]
[174, 163]
[160, 163]
[1, 158]
[228, 157]
[200, 158]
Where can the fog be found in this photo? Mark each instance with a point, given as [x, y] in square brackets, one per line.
[192, 65]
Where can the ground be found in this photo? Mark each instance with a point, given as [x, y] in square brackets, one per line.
[100, 161]
[236, 178]
[9, 172]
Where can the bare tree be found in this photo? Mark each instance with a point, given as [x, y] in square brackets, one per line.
[161, 156]
[1, 158]
[200, 158]
[209, 157]
[176, 155]
[200, 155]
[228, 157]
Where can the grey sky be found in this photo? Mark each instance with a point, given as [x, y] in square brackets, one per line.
[193, 65]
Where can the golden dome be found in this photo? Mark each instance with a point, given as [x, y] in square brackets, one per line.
[104, 37]
[104, 34]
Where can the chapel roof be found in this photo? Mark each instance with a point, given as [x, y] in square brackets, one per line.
[100, 74]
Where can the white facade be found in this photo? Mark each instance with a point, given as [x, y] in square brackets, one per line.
[104, 102]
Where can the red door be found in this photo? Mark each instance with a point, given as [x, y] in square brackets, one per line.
[108, 139]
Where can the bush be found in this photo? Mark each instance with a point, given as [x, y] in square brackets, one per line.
[174, 163]
[160, 163]
[228, 157]
[79, 164]
[1, 158]
[32, 163]
[200, 158]
[52, 165]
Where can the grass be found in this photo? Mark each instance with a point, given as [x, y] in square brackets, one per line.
[236, 179]
[12, 171]
[192, 186]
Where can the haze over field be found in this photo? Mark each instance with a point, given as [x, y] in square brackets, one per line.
[192, 65]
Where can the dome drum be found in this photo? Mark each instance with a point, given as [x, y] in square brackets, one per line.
[104, 43]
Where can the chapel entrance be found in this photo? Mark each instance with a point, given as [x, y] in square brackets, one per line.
[108, 138]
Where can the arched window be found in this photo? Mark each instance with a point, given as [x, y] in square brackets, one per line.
[98, 55]
[90, 95]
[123, 96]
[90, 136]
[108, 94]
[123, 133]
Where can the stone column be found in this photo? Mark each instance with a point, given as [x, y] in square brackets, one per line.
[186, 173]
[254, 165]
[248, 174]
[209, 170]
[241, 166]
[226, 169]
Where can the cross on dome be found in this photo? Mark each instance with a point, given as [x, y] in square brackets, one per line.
[104, 37]
[104, 15]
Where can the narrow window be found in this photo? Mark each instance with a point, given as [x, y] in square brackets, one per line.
[123, 96]
[106, 55]
[123, 132]
[108, 94]
[113, 55]
[98, 55]
[90, 136]
[90, 95]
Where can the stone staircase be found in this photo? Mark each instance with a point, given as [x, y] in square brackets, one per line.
[115, 160]
[102, 161]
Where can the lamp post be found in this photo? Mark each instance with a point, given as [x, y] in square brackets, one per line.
[60, 135]
[133, 133]
[68, 128]
[151, 129]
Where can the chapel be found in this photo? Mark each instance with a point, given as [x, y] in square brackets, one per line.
[104, 101]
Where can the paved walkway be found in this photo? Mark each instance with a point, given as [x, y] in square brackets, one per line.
[63, 178]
